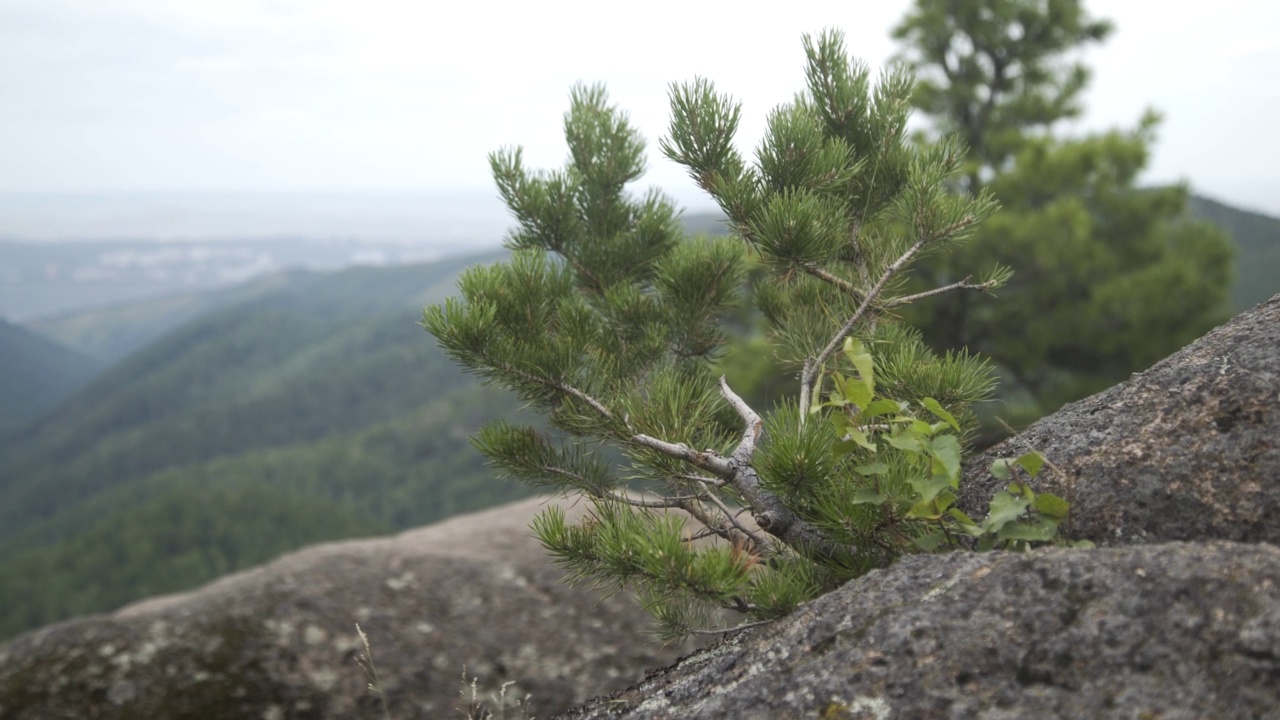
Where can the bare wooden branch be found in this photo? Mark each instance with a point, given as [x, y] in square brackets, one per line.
[825, 276]
[707, 532]
[961, 285]
[755, 427]
[770, 512]
[806, 388]
[703, 480]
[760, 543]
[735, 628]
[663, 502]
[705, 459]
[699, 512]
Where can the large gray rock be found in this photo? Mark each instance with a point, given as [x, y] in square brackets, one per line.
[1175, 631]
[1188, 450]
[279, 641]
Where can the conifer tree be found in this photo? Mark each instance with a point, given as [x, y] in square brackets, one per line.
[1111, 277]
[610, 322]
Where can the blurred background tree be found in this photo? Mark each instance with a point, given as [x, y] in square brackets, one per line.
[1108, 277]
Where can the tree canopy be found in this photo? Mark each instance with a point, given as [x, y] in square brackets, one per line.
[611, 323]
[1110, 276]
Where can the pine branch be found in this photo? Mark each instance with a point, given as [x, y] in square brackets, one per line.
[825, 276]
[811, 365]
[769, 510]
[961, 285]
[699, 513]
[707, 460]
[860, 259]
[662, 503]
[760, 544]
[553, 384]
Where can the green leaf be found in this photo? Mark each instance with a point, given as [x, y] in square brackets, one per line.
[928, 489]
[1031, 462]
[857, 439]
[861, 438]
[961, 518]
[815, 402]
[945, 499]
[934, 407]
[921, 428]
[930, 542]
[924, 510]
[905, 441]
[872, 469]
[1005, 508]
[1042, 531]
[1000, 469]
[858, 393]
[861, 359]
[880, 407]
[945, 450]
[835, 398]
[1051, 505]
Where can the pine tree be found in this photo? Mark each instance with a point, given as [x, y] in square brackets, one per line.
[1111, 277]
[611, 323]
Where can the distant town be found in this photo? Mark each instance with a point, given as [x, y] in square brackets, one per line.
[67, 253]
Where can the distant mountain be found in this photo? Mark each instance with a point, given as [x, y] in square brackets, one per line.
[311, 410]
[111, 333]
[1257, 239]
[49, 279]
[35, 375]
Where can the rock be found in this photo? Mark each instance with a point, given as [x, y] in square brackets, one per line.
[279, 641]
[1188, 450]
[1147, 628]
[1168, 631]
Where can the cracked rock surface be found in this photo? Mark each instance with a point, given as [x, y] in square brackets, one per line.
[1170, 631]
[1187, 450]
[279, 641]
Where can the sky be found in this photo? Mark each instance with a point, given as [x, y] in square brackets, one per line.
[376, 96]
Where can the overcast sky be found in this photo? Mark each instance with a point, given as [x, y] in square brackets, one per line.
[383, 96]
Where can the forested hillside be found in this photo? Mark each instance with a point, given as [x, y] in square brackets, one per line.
[35, 375]
[110, 334]
[1257, 236]
[316, 411]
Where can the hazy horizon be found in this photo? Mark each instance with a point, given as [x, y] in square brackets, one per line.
[461, 220]
[472, 218]
[390, 96]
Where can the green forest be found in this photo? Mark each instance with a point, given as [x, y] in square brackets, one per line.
[312, 411]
